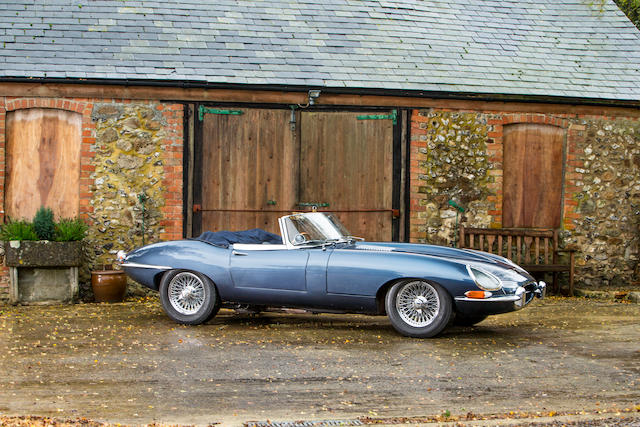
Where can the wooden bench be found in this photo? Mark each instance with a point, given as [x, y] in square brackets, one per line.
[535, 250]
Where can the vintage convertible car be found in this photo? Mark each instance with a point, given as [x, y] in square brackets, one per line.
[317, 265]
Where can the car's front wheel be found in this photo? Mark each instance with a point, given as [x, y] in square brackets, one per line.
[188, 297]
[418, 308]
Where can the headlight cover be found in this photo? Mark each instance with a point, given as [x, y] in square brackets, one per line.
[484, 279]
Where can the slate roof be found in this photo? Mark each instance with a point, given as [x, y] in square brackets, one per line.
[567, 48]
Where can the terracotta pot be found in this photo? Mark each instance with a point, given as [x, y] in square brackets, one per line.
[109, 285]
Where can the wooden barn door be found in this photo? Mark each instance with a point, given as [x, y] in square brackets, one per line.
[346, 167]
[249, 169]
[256, 166]
[532, 177]
[42, 162]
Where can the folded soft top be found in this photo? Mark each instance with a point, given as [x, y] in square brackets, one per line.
[226, 238]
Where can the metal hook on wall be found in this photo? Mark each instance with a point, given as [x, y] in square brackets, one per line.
[459, 209]
[142, 198]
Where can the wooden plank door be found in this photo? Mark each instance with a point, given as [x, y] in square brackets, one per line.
[532, 177]
[347, 163]
[42, 162]
[249, 169]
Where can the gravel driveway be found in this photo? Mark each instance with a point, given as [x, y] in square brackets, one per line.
[129, 363]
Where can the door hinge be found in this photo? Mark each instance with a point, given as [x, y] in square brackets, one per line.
[393, 116]
[206, 110]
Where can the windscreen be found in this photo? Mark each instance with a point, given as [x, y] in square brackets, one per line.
[315, 227]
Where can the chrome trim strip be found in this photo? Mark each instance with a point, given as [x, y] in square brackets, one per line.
[136, 265]
[258, 247]
[284, 233]
[506, 298]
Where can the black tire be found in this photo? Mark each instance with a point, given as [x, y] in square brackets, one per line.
[195, 308]
[425, 321]
[468, 320]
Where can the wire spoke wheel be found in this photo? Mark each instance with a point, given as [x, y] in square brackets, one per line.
[188, 297]
[417, 303]
[186, 293]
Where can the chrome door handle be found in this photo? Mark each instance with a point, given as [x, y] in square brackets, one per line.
[234, 252]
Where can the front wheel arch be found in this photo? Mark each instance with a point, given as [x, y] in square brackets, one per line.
[418, 308]
[381, 294]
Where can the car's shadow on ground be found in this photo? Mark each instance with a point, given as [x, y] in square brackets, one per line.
[341, 324]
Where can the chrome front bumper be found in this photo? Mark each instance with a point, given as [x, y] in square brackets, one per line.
[541, 290]
[519, 298]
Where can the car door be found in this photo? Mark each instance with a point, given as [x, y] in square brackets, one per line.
[268, 269]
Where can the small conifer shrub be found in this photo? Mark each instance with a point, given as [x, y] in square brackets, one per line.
[44, 225]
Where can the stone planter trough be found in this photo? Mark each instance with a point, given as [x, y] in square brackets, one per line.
[43, 271]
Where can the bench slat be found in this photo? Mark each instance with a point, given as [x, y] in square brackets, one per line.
[490, 240]
[527, 249]
[546, 250]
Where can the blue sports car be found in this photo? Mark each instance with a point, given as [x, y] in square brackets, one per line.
[315, 264]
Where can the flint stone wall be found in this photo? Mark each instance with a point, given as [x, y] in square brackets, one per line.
[128, 164]
[607, 227]
[459, 156]
[453, 164]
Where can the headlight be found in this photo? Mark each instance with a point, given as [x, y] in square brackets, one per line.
[484, 279]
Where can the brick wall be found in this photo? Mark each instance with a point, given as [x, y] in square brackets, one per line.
[171, 157]
[173, 172]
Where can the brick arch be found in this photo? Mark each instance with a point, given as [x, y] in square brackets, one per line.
[53, 103]
[542, 119]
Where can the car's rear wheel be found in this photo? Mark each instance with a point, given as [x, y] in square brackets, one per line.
[418, 308]
[468, 320]
[189, 297]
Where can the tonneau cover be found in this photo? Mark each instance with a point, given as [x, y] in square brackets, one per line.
[226, 238]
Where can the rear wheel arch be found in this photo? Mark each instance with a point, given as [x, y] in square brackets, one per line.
[158, 278]
[205, 291]
[381, 294]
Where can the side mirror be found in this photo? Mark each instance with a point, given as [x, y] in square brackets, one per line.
[299, 239]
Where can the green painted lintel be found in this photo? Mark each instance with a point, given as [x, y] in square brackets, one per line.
[392, 116]
[207, 110]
